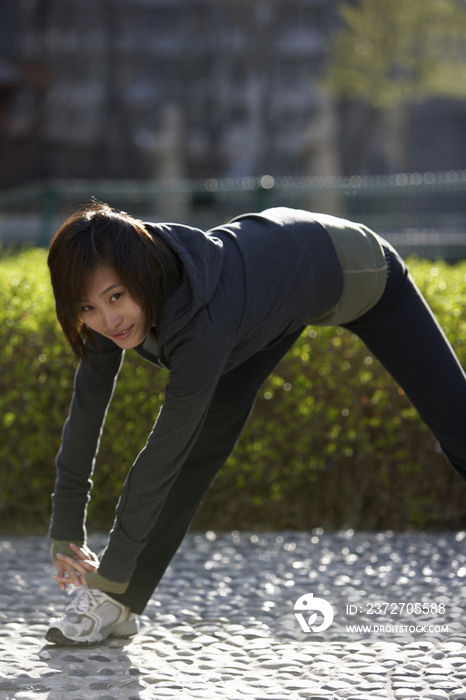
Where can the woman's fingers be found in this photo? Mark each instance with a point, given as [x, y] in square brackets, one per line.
[78, 565]
[68, 575]
[85, 553]
[68, 561]
[64, 580]
[59, 578]
[65, 574]
[73, 569]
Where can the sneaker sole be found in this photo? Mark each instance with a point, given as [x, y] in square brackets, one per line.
[56, 636]
[120, 630]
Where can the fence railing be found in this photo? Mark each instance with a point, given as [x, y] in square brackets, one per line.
[418, 212]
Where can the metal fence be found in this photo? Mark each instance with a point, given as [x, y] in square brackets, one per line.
[421, 213]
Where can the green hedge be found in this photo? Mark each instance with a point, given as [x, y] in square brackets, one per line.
[332, 441]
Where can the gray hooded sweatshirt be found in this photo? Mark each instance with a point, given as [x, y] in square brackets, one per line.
[244, 286]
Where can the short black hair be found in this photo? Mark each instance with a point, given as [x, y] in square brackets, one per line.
[98, 236]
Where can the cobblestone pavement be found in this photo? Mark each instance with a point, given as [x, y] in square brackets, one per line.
[222, 623]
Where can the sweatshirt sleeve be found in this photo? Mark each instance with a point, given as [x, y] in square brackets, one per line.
[93, 388]
[196, 366]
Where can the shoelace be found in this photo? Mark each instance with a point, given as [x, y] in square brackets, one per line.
[84, 599]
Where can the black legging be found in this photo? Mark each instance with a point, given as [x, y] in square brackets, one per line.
[400, 330]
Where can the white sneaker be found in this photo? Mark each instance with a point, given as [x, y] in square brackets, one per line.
[92, 617]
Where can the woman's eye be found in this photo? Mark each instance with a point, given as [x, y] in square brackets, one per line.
[116, 296]
[86, 308]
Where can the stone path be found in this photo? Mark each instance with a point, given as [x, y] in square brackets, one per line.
[223, 624]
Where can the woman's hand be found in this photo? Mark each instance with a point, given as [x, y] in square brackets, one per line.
[73, 569]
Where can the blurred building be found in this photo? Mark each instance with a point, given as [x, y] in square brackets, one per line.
[182, 88]
[164, 88]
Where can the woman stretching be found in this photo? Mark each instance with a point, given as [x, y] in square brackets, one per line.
[218, 310]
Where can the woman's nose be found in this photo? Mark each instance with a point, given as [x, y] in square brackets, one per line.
[112, 319]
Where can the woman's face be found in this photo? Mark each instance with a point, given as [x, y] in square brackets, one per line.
[111, 311]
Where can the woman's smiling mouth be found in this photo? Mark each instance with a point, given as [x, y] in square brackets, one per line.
[122, 335]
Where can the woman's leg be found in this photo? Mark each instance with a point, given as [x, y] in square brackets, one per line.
[402, 332]
[228, 413]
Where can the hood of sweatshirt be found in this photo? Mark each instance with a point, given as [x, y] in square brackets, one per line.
[202, 257]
